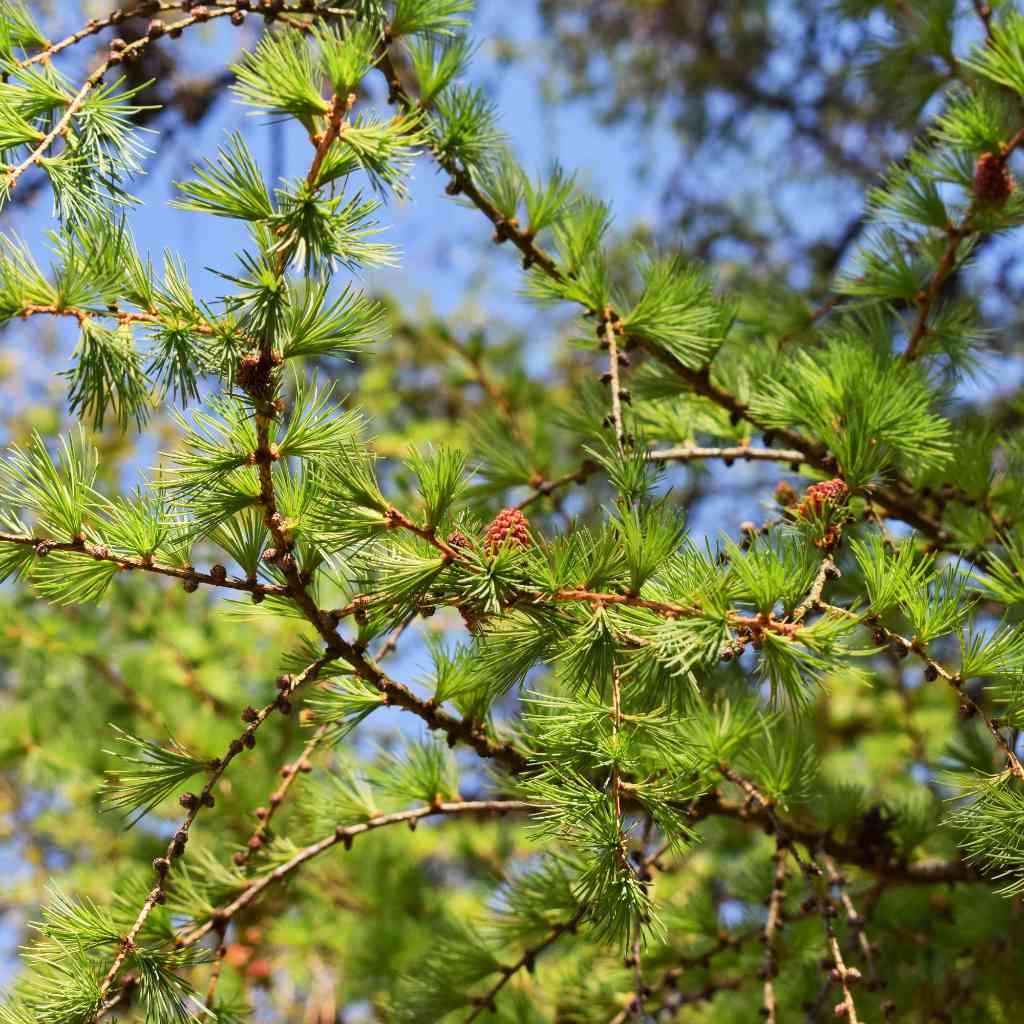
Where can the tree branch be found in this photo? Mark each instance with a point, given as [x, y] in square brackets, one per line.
[345, 835]
[101, 553]
[176, 846]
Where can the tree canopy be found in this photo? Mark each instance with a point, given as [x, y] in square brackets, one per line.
[292, 561]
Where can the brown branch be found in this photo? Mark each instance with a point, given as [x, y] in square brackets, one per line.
[97, 25]
[690, 453]
[936, 670]
[194, 802]
[855, 919]
[486, 1001]
[984, 12]
[770, 967]
[218, 965]
[151, 7]
[75, 104]
[336, 124]
[608, 326]
[290, 771]
[840, 972]
[621, 853]
[473, 734]
[101, 553]
[782, 835]
[674, 1001]
[957, 233]
[827, 571]
[834, 963]
[545, 488]
[122, 316]
[395, 518]
[456, 729]
[344, 835]
[956, 681]
[927, 871]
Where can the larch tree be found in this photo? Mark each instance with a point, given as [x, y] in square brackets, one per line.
[644, 772]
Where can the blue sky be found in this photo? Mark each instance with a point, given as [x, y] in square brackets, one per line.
[440, 242]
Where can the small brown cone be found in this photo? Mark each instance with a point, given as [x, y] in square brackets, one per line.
[993, 182]
[254, 372]
[785, 495]
[457, 539]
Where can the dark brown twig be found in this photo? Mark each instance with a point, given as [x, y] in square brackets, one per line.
[486, 1001]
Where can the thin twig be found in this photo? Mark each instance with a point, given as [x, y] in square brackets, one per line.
[984, 13]
[826, 571]
[937, 670]
[856, 919]
[772, 923]
[345, 835]
[101, 553]
[176, 846]
[956, 234]
[746, 453]
[846, 1008]
[486, 1001]
[152, 7]
[301, 763]
[608, 324]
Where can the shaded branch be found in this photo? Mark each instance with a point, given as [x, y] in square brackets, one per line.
[345, 835]
[194, 802]
[486, 1001]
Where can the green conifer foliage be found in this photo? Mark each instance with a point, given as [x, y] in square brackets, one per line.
[639, 776]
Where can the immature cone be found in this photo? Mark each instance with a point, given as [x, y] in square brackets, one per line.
[819, 507]
[993, 182]
[508, 523]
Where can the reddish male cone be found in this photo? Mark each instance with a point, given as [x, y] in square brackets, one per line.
[509, 524]
[820, 497]
[823, 508]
